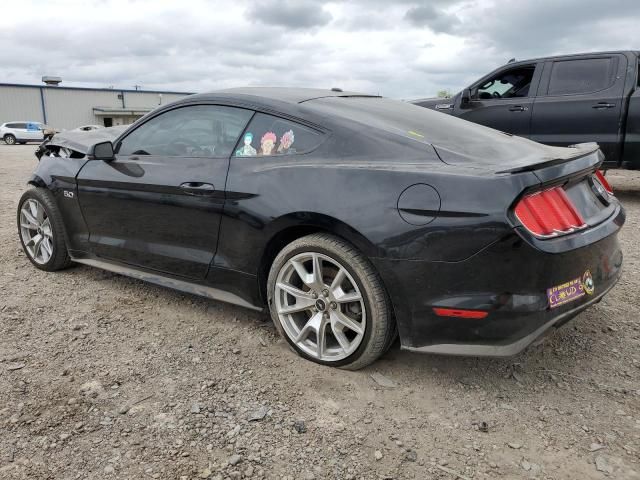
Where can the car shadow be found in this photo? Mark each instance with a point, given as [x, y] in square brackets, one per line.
[559, 356]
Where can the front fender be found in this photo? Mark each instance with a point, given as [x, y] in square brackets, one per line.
[58, 175]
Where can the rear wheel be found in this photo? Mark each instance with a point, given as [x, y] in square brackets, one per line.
[41, 230]
[328, 302]
[9, 139]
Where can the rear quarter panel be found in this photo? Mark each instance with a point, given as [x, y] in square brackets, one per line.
[356, 197]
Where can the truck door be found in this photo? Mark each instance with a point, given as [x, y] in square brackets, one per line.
[580, 100]
[504, 100]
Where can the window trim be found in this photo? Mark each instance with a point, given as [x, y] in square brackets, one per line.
[126, 133]
[477, 85]
[552, 63]
[535, 81]
[323, 134]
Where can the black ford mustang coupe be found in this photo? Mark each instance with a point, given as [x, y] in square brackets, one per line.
[352, 218]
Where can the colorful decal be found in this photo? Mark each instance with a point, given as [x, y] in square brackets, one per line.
[570, 291]
[286, 142]
[267, 143]
[415, 134]
[247, 150]
[33, 127]
[587, 283]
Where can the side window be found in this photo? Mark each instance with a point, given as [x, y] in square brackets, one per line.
[582, 76]
[514, 83]
[17, 125]
[11, 125]
[267, 135]
[193, 131]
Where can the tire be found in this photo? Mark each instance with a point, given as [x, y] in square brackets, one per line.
[42, 234]
[9, 139]
[348, 303]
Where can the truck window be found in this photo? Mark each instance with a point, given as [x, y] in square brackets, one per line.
[570, 77]
[513, 83]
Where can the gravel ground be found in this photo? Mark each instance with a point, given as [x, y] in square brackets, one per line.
[102, 376]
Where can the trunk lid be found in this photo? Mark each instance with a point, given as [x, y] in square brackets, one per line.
[576, 176]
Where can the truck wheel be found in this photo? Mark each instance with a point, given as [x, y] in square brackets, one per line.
[9, 139]
[329, 303]
[42, 231]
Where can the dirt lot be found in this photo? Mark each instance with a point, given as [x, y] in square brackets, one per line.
[106, 377]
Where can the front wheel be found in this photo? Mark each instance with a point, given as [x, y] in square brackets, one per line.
[329, 303]
[41, 230]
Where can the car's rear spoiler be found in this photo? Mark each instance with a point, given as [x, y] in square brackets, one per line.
[583, 150]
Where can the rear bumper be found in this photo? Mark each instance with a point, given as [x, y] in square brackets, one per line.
[509, 280]
[479, 350]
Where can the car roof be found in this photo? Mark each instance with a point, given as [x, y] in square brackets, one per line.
[585, 54]
[291, 95]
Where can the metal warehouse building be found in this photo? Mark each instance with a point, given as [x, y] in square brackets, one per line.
[70, 107]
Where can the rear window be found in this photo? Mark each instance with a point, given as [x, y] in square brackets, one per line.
[582, 76]
[477, 143]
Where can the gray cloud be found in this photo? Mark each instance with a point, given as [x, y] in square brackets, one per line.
[295, 14]
[523, 29]
[402, 49]
[434, 18]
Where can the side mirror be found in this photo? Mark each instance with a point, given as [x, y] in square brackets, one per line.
[101, 151]
[465, 98]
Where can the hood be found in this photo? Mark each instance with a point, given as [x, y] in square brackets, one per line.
[80, 141]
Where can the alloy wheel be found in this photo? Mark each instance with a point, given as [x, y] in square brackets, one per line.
[320, 306]
[9, 140]
[36, 231]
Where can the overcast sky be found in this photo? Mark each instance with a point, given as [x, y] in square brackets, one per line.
[402, 49]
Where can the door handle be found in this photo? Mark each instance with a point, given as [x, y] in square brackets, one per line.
[518, 108]
[603, 105]
[197, 188]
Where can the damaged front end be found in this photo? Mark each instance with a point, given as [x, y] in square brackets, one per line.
[76, 144]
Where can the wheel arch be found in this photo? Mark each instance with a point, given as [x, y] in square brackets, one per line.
[36, 181]
[293, 226]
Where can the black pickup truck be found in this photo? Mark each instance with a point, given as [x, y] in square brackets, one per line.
[562, 100]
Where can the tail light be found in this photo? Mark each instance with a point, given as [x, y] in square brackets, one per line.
[457, 313]
[603, 181]
[549, 213]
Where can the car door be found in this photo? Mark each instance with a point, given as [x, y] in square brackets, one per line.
[19, 130]
[34, 131]
[158, 204]
[580, 100]
[504, 99]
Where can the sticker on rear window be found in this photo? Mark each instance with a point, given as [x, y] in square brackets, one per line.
[571, 290]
